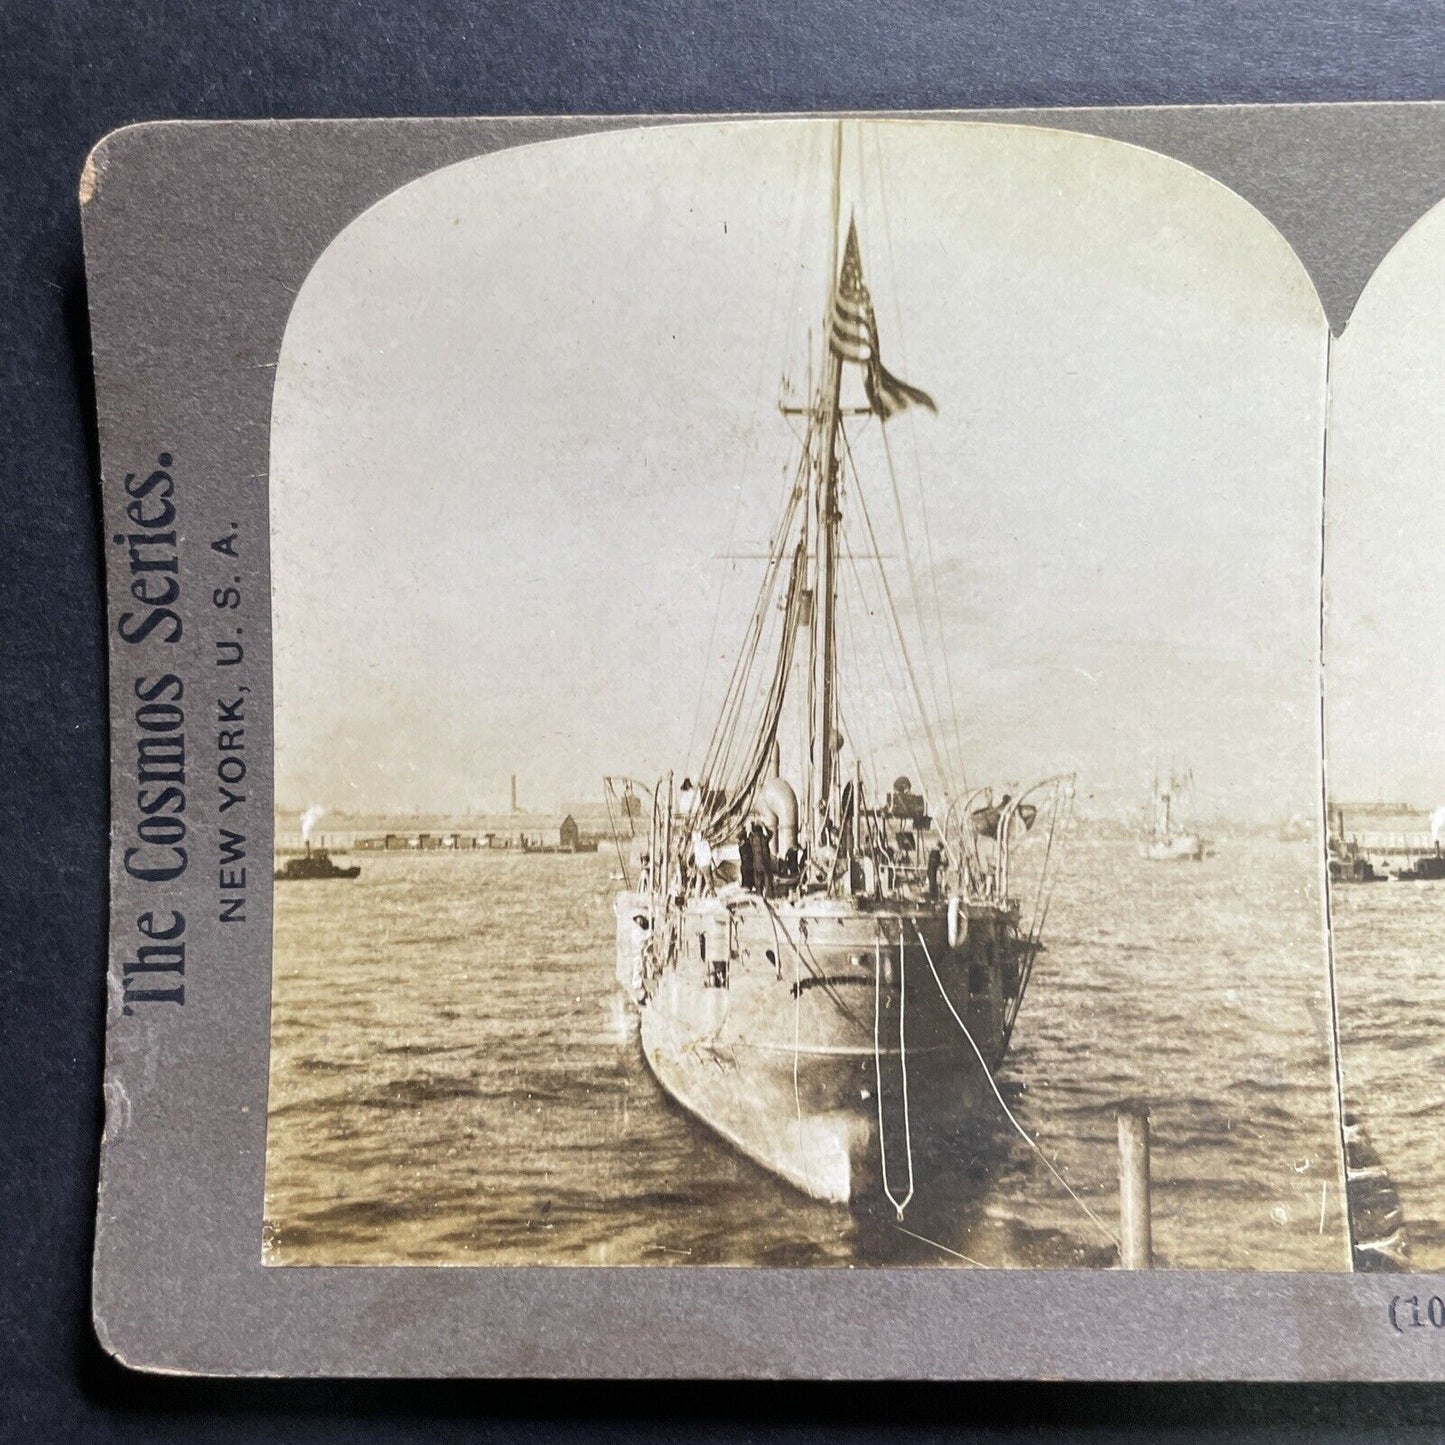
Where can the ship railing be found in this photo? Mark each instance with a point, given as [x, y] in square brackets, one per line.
[660, 845]
[990, 877]
[899, 879]
[963, 858]
[621, 803]
[1060, 787]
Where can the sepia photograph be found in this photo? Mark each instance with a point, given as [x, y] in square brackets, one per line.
[797, 716]
[1385, 754]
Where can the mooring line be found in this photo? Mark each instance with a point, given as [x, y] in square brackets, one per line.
[878, 1073]
[924, 1239]
[903, 1069]
[797, 1049]
[900, 1206]
[1002, 1103]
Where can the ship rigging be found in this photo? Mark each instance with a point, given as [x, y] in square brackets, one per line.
[827, 967]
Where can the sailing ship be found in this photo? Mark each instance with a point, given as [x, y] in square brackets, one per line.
[1167, 838]
[829, 968]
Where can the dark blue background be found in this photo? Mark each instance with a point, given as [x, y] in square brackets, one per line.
[69, 72]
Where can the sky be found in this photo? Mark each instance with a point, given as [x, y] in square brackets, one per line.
[1385, 490]
[526, 446]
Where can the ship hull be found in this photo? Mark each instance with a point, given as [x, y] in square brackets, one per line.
[817, 1038]
[1354, 870]
[1428, 869]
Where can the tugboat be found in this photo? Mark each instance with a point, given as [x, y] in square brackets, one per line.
[1347, 859]
[829, 970]
[1166, 840]
[314, 864]
[1424, 868]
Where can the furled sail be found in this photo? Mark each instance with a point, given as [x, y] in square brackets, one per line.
[742, 747]
[728, 800]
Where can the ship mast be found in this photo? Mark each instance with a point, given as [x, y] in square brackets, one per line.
[736, 765]
[823, 751]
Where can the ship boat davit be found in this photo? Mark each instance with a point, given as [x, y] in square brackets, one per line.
[829, 967]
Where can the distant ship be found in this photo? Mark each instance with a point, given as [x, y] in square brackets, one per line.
[1424, 868]
[1167, 839]
[828, 968]
[314, 864]
[1348, 862]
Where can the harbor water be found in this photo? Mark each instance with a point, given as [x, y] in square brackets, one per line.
[456, 1080]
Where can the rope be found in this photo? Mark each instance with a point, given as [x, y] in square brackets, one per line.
[1043, 899]
[910, 421]
[612, 828]
[719, 820]
[878, 1073]
[897, 682]
[938, 763]
[797, 1045]
[955, 758]
[924, 1239]
[795, 219]
[903, 1068]
[1008, 1113]
[737, 683]
[718, 757]
[819, 978]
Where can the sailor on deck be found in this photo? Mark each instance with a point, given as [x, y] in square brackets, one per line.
[745, 859]
[935, 868]
[760, 848]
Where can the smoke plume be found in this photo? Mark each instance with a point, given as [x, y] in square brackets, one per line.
[309, 819]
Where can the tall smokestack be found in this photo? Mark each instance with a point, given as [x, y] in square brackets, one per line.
[514, 792]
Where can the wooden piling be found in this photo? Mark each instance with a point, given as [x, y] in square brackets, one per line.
[1136, 1237]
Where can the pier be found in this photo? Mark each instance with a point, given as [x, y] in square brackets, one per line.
[530, 832]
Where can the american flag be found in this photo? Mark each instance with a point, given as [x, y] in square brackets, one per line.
[853, 336]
